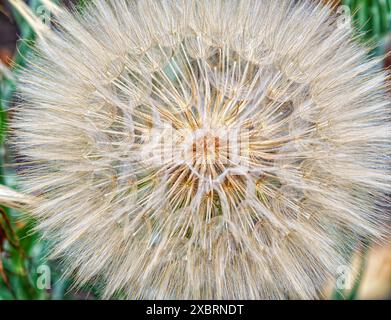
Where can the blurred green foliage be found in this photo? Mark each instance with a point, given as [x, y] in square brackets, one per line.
[372, 18]
[25, 272]
[22, 252]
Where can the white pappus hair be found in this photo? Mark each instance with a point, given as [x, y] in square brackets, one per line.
[213, 149]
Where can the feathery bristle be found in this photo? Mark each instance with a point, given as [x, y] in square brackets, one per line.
[204, 149]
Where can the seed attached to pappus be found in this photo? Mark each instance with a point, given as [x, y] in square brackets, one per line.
[204, 149]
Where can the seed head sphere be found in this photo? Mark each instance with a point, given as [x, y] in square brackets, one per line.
[210, 149]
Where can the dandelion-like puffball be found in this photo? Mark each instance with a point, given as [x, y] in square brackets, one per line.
[213, 149]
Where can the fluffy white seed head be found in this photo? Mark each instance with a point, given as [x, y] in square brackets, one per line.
[204, 149]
